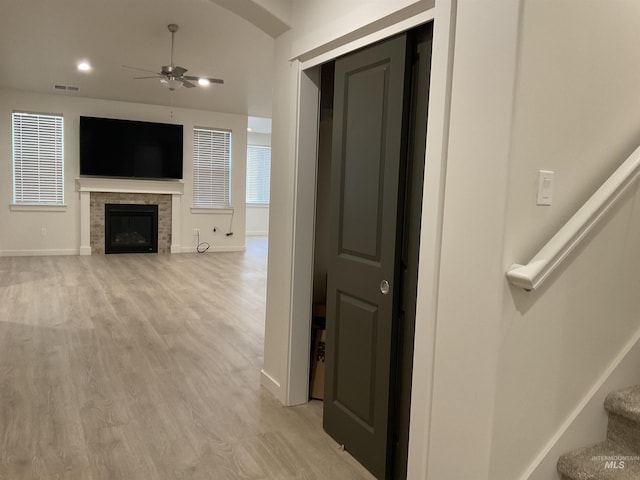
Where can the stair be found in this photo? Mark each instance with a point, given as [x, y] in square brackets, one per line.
[618, 458]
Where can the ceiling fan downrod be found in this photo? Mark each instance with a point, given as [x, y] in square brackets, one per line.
[173, 28]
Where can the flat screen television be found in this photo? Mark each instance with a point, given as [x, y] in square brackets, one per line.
[125, 148]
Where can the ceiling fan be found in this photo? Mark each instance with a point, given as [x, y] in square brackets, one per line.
[173, 76]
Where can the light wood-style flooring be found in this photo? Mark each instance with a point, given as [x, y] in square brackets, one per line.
[147, 367]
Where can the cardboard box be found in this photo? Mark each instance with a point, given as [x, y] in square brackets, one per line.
[317, 370]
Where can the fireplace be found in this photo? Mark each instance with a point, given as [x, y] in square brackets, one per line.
[96, 192]
[130, 228]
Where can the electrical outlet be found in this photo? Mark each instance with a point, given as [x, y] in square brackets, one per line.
[43, 231]
[196, 231]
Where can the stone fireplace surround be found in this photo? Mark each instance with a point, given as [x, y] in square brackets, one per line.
[96, 191]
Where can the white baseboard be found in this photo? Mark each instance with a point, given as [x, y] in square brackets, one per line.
[272, 385]
[38, 253]
[213, 249]
[87, 251]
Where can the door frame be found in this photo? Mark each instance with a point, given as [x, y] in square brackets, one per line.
[296, 382]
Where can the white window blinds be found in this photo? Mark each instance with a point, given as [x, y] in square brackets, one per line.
[211, 168]
[258, 174]
[38, 159]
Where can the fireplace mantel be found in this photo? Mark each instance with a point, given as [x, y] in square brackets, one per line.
[125, 185]
[86, 185]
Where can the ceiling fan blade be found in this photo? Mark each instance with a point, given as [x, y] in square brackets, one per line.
[211, 80]
[187, 83]
[143, 78]
[140, 69]
[178, 71]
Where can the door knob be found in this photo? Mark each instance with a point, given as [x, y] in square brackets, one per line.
[384, 287]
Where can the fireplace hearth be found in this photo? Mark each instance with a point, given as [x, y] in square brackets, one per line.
[131, 228]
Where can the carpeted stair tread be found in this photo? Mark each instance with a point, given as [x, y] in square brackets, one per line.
[590, 463]
[625, 402]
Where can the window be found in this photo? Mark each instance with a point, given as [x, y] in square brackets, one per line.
[211, 168]
[38, 159]
[258, 174]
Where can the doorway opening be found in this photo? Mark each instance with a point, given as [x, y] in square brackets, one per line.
[357, 380]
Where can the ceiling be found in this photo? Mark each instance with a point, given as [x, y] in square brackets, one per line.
[42, 41]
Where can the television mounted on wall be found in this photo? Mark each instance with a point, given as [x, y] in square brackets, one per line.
[126, 148]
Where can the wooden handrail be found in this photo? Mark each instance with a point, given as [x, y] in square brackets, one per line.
[531, 275]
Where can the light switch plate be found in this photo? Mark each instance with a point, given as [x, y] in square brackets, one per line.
[545, 187]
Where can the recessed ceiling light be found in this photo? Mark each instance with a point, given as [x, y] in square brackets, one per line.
[203, 82]
[84, 66]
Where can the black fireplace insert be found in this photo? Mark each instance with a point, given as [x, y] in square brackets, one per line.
[130, 228]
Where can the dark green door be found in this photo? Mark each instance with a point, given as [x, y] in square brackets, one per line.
[362, 293]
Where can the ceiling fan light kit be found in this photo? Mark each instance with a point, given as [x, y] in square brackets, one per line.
[171, 83]
[173, 76]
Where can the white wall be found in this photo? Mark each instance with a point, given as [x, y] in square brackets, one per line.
[258, 215]
[278, 308]
[576, 113]
[257, 220]
[318, 24]
[470, 286]
[20, 231]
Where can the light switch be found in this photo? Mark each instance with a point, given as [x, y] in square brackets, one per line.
[545, 187]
